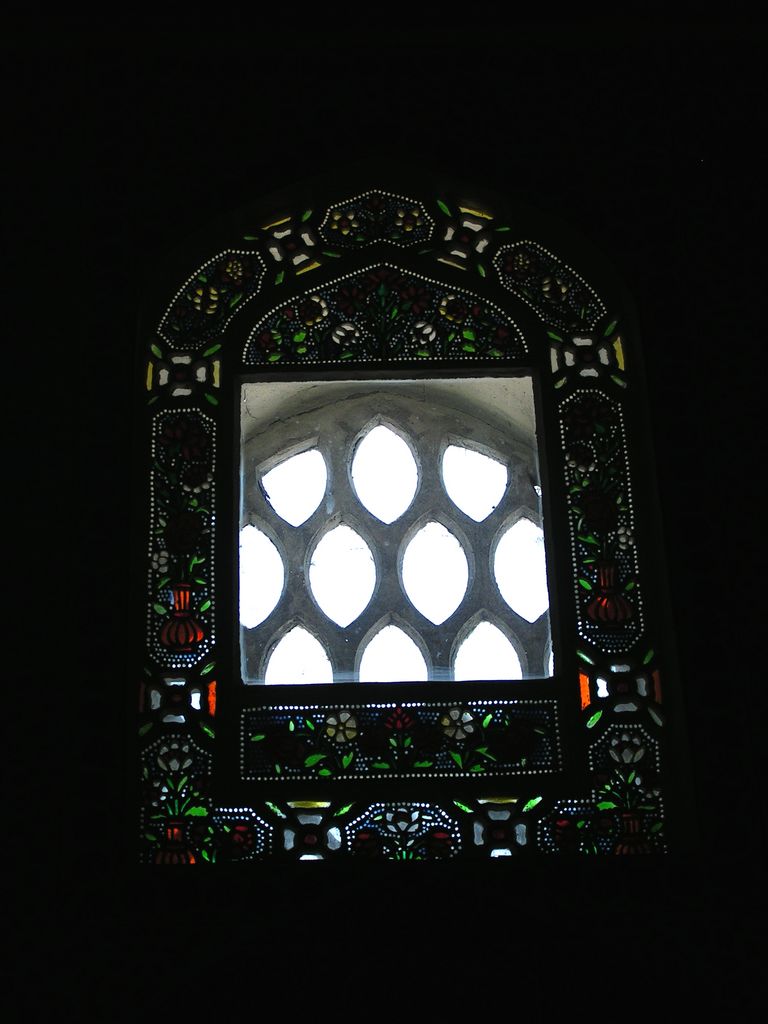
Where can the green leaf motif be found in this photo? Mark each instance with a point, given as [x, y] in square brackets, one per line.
[279, 277]
[488, 719]
[657, 827]
[481, 269]
[443, 207]
[610, 328]
[208, 668]
[160, 609]
[212, 399]
[156, 351]
[343, 810]
[606, 805]
[145, 728]
[381, 764]
[258, 737]
[325, 771]
[198, 812]
[306, 215]
[584, 657]
[463, 807]
[205, 605]
[423, 764]
[313, 759]
[585, 583]
[347, 760]
[592, 722]
[208, 730]
[648, 656]
[457, 758]
[533, 802]
[468, 334]
[250, 238]
[235, 299]
[150, 836]
[553, 336]
[275, 809]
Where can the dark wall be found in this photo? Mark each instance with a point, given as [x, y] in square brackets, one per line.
[645, 141]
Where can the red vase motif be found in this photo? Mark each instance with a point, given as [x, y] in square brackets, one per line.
[181, 632]
[174, 849]
[609, 607]
[632, 839]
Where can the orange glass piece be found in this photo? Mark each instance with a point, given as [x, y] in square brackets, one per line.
[212, 698]
[584, 690]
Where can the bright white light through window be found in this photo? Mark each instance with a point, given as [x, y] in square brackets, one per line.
[435, 572]
[521, 570]
[391, 657]
[298, 658]
[296, 487]
[384, 474]
[487, 654]
[475, 482]
[261, 576]
[342, 574]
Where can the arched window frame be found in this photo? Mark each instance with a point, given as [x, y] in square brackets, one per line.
[582, 763]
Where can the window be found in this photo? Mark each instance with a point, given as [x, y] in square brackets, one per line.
[390, 531]
[318, 394]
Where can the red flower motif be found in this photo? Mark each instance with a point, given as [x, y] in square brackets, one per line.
[399, 720]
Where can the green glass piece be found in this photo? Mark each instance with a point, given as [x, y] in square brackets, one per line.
[314, 759]
[145, 728]
[532, 803]
[208, 730]
[275, 809]
[198, 812]
[463, 807]
[211, 350]
[208, 668]
[156, 351]
[443, 207]
[591, 722]
[259, 736]
[160, 609]
[648, 656]
[610, 328]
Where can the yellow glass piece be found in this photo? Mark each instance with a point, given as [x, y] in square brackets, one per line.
[619, 350]
[216, 372]
[149, 376]
[477, 213]
[309, 803]
[451, 263]
[310, 266]
[275, 223]
[498, 799]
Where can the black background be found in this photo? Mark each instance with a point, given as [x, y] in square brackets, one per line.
[647, 140]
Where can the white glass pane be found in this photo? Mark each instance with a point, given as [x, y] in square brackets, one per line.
[435, 572]
[487, 654]
[475, 482]
[392, 657]
[521, 570]
[384, 474]
[261, 576]
[299, 658]
[296, 487]
[342, 574]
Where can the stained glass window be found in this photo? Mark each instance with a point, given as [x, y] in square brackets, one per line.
[400, 592]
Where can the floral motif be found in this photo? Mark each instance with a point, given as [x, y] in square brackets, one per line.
[457, 723]
[344, 221]
[341, 727]
[174, 757]
[313, 310]
[626, 749]
[453, 309]
[185, 437]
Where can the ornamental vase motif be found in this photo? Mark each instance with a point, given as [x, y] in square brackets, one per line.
[609, 607]
[181, 631]
[632, 839]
